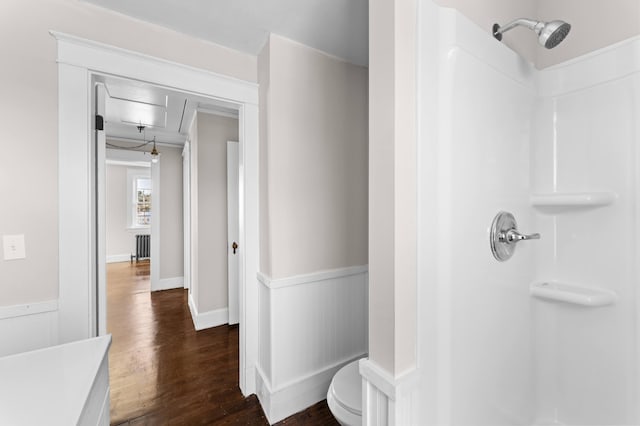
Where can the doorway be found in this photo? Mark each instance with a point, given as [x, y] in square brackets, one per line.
[80, 62]
[145, 307]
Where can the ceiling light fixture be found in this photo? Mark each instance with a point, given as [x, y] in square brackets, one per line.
[155, 155]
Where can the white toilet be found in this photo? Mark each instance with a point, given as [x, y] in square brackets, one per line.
[345, 395]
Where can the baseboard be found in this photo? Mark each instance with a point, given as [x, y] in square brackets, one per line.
[115, 258]
[28, 327]
[202, 320]
[168, 284]
[295, 396]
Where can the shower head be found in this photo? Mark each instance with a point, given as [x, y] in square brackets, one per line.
[550, 34]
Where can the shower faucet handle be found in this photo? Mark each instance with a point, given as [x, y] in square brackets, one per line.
[503, 236]
[513, 236]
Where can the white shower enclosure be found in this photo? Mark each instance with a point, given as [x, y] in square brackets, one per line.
[550, 336]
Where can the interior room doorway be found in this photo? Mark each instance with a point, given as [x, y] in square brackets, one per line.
[143, 136]
[80, 64]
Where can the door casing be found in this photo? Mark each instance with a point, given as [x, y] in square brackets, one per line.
[79, 62]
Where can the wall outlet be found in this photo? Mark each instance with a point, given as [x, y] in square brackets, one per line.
[13, 247]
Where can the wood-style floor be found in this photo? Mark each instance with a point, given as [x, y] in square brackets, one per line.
[164, 372]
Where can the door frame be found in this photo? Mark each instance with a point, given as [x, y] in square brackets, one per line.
[79, 62]
[186, 214]
[232, 220]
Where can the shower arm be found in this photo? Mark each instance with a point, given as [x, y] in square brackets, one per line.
[529, 23]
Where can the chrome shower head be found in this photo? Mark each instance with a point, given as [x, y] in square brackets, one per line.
[553, 33]
[550, 34]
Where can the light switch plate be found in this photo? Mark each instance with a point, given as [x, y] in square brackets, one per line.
[13, 247]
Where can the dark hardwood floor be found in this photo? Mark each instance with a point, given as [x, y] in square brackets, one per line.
[164, 372]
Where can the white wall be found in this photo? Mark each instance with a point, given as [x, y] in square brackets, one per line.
[211, 145]
[316, 149]
[28, 82]
[171, 223]
[120, 239]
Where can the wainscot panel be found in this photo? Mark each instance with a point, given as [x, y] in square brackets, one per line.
[28, 327]
[313, 324]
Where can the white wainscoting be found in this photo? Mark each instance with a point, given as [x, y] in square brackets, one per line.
[115, 258]
[208, 319]
[310, 326]
[387, 401]
[28, 327]
[168, 284]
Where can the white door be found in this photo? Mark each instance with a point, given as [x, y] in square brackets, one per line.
[100, 206]
[233, 235]
[186, 213]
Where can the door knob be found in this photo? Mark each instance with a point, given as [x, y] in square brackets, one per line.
[504, 236]
[234, 246]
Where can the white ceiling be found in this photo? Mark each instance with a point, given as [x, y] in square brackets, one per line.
[338, 27]
[165, 114]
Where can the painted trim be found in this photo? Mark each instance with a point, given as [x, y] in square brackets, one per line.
[388, 400]
[115, 258]
[296, 395]
[202, 320]
[169, 284]
[28, 309]
[311, 278]
[110, 162]
[378, 377]
[84, 53]
[216, 112]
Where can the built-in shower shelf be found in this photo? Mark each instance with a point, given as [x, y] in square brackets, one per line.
[564, 200]
[574, 294]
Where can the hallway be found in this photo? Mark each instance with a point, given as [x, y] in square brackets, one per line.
[164, 372]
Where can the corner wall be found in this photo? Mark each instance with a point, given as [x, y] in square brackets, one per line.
[314, 217]
[392, 185]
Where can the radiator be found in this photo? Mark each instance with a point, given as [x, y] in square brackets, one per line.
[143, 247]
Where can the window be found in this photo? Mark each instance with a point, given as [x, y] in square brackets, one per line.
[139, 195]
[142, 202]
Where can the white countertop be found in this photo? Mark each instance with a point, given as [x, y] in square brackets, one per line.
[50, 386]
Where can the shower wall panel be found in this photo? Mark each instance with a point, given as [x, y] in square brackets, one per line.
[585, 142]
[558, 149]
[485, 100]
